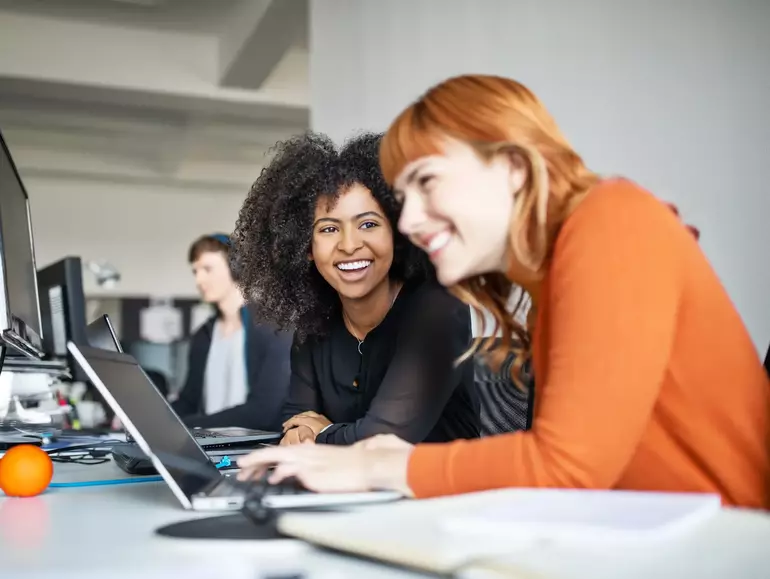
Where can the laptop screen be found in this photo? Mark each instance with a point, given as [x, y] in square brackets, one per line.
[150, 414]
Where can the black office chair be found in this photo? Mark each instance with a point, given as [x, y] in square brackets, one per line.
[504, 407]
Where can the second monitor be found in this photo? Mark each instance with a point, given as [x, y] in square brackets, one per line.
[63, 310]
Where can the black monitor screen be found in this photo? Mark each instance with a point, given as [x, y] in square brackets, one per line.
[63, 310]
[151, 415]
[17, 246]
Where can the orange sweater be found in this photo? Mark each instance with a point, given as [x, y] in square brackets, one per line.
[646, 376]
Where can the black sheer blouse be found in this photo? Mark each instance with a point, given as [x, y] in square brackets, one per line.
[403, 382]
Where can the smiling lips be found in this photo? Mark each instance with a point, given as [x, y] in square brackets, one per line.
[354, 265]
[435, 243]
[353, 270]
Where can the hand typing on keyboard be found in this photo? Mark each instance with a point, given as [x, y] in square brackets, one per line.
[374, 465]
[262, 485]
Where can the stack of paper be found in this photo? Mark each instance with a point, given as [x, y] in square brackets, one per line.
[583, 515]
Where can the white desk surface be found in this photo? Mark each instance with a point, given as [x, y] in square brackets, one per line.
[733, 544]
[108, 531]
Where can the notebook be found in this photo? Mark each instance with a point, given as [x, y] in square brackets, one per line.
[444, 535]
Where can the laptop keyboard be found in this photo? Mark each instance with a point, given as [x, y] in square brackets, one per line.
[233, 485]
[199, 434]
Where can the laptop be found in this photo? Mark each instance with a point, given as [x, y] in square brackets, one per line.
[101, 334]
[161, 435]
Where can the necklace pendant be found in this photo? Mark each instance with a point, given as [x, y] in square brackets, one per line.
[360, 343]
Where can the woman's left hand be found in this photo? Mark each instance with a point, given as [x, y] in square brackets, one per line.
[364, 466]
[314, 421]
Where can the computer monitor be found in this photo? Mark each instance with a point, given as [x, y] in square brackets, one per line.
[101, 334]
[63, 310]
[20, 325]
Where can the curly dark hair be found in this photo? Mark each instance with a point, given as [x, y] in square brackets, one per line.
[273, 234]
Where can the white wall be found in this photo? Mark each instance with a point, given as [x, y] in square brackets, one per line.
[672, 94]
[144, 231]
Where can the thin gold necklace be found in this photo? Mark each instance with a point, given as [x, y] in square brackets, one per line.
[350, 324]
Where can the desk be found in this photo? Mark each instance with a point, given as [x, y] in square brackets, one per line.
[85, 532]
[734, 544]
[98, 532]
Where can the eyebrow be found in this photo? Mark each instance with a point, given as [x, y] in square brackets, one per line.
[354, 218]
[413, 174]
[410, 177]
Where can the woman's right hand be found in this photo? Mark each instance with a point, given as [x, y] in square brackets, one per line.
[380, 465]
[298, 435]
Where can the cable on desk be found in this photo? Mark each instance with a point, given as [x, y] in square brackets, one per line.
[86, 459]
[92, 453]
[85, 446]
[106, 482]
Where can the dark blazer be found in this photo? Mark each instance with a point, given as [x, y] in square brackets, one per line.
[268, 369]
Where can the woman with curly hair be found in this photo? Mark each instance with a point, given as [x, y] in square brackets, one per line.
[376, 338]
[647, 379]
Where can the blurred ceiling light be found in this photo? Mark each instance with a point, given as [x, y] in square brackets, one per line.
[107, 276]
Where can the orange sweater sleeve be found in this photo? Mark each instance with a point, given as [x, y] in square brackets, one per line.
[609, 308]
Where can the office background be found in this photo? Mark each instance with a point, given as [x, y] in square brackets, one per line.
[137, 125]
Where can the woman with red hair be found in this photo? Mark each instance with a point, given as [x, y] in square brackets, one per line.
[646, 376]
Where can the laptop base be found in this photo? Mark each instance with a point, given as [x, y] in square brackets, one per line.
[128, 458]
[289, 494]
[229, 437]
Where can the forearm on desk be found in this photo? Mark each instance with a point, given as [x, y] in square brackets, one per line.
[331, 434]
[345, 433]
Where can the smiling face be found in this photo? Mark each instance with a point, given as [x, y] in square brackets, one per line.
[352, 242]
[458, 208]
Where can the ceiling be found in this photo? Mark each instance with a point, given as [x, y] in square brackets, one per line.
[185, 92]
[185, 15]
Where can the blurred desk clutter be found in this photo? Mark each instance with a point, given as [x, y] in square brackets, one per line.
[46, 398]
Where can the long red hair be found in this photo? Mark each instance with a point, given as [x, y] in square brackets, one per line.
[494, 114]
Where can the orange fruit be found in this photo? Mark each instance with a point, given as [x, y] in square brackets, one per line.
[25, 471]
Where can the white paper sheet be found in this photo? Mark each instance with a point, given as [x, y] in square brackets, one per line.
[582, 515]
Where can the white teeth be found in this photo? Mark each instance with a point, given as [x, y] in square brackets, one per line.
[438, 241]
[354, 265]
